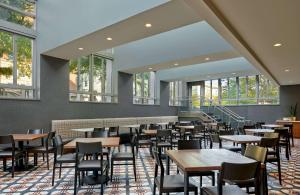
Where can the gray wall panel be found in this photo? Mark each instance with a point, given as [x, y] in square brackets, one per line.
[19, 115]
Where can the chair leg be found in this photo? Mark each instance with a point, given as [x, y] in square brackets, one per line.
[111, 170]
[75, 183]
[4, 164]
[47, 156]
[213, 180]
[43, 157]
[279, 171]
[134, 169]
[53, 174]
[102, 188]
[13, 167]
[154, 189]
[60, 170]
[196, 192]
[200, 181]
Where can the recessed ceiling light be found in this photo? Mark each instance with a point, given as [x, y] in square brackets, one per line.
[287, 70]
[207, 59]
[150, 68]
[148, 25]
[277, 44]
[109, 38]
[80, 48]
[233, 73]
[176, 64]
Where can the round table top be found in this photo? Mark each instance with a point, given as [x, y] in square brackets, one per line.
[83, 129]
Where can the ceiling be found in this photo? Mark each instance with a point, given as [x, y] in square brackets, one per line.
[258, 25]
[250, 28]
[168, 16]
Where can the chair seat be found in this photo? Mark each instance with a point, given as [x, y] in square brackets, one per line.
[174, 183]
[67, 158]
[227, 190]
[8, 153]
[122, 156]
[163, 144]
[233, 148]
[91, 164]
[144, 142]
[40, 149]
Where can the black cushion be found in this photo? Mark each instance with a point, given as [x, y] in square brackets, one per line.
[227, 190]
[174, 183]
[67, 158]
[122, 156]
[91, 164]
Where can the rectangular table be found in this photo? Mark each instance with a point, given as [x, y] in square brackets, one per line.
[106, 142]
[259, 131]
[241, 139]
[20, 138]
[84, 130]
[272, 126]
[191, 161]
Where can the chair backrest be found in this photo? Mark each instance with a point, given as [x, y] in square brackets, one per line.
[58, 144]
[271, 135]
[113, 131]
[239, 173]
[164, 135]
[99, 132]
[268, 142]
[158, 163]
[256, 153]
[35, 131]
[283, 132]
[154, 127]
[188, 144]
[49, 138]
[258, 125]
[7, 140]
[93, 149]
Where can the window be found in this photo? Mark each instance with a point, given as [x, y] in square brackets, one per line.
[144, 88]
[21, 12]
[16, 66]
[90, 79]
[196, 94]
[207, 92]
[175, 93]
[244, 90]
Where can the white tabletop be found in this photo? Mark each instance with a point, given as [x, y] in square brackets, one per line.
[162, 123]
[131, 126]
[260, 130]
[272, 126]
[83, 129]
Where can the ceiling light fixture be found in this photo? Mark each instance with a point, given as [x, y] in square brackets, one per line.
[150, 68]
[109, 38]
[148, 25]
[207, 59]
[277, 44]
[176, 64]
[287, 70]
[233, 73]
[80, 48]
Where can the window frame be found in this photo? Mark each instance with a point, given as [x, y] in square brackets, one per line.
[151, 99]
[91, 92]
[34, 69]
[175, 93]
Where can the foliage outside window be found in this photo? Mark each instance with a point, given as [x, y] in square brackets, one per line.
[242, 91]
[144, 88]
[196, 96]
[175, 93]
[207, 92]
[21, 12]
[16, 66]
[91, 80]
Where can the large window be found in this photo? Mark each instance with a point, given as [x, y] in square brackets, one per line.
[91, 80]
[245, 90]
[175, 96]
[16, 66]
[21, 12]
[144, 88]
[196, 96]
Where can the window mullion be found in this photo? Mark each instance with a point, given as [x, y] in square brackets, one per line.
[91, 78]
[15, 68]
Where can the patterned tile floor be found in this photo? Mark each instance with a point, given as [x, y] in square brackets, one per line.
[38, 180]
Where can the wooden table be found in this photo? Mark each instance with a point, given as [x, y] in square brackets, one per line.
[296, 126]
[191, 161]
[272, 126]
[259, 131]
[20, 138]
[241, 139]
[106, 142]
[131, 127]
[85, 130]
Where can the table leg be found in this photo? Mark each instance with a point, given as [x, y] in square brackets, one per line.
[243, 146]
[168, 165]
[86, 134]
[186, 183]
[130, 129]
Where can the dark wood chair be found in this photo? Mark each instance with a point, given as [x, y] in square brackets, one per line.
[235, 173]
[168, 183]
[271, 142]
[195, 144]
[284, 140]
[8, 151]
[142, 140]
[60, 157]
[113, 132]
[124, 156]
[102, 133]
[291, 132]
[95, 164]
[45, 150]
